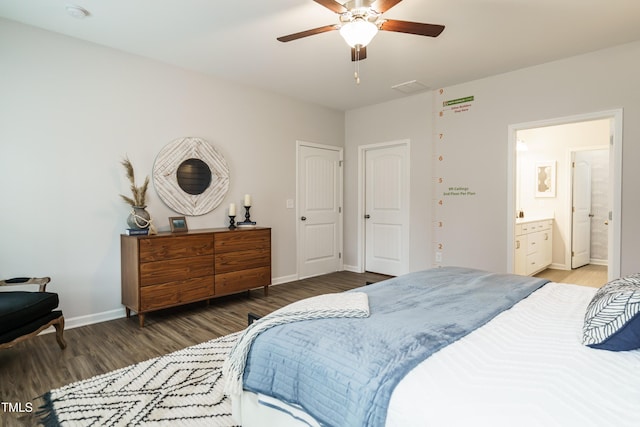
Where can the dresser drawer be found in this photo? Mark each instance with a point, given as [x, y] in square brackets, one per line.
[172, 247]
[241, 240]
[238, 281]
[241, 260]
[197, 289]
[174, 293]
[158, 296]
[171, 270]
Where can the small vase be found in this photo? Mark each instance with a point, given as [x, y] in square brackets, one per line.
[139, 218]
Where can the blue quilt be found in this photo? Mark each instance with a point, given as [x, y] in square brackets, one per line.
[343, 371]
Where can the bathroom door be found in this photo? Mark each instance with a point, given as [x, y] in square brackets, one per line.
[581, 215]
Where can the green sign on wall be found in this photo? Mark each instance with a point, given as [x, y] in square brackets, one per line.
[457, 101]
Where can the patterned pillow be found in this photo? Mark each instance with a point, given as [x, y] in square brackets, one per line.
[612, 320]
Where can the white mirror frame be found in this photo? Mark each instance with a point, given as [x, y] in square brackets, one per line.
[166, 182]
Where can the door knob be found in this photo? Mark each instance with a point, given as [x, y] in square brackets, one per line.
[303, 218]
[606, 223]
[367, 216]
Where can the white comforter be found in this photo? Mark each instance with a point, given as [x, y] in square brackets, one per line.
[527, 367]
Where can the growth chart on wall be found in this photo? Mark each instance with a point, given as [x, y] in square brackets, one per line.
[454, 191]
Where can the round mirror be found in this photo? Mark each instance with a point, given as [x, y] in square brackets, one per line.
[194, 176]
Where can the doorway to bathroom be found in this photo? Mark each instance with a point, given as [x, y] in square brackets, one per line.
[567, 170]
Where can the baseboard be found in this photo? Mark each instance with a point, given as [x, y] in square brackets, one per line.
[284, 279]
[603, 262]
[105, 316]
[353, 268]
[90, 319]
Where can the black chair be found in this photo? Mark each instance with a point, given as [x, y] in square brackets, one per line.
[25, 314]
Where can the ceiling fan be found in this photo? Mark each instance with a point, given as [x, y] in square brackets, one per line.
[360, 21]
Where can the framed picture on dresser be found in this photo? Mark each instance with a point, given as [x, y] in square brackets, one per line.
[178, 224]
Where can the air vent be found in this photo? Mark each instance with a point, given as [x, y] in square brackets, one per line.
[412, 86]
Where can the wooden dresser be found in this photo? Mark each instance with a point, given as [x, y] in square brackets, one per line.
[170, 269]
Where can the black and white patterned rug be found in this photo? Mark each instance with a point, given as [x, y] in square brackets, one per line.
[181, 388]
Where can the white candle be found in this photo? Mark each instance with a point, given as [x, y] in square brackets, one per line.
[247, 200]
[232, 209]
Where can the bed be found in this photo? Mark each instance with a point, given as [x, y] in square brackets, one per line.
[522, 360]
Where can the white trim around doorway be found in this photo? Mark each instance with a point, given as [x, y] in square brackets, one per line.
[615, 183]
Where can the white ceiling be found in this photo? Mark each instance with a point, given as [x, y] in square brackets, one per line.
[236, 40]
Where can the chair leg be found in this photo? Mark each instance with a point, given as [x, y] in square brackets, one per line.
[59, 325]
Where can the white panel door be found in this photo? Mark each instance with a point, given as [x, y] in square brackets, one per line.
[581, 223]
[319, 210]
[387, 210]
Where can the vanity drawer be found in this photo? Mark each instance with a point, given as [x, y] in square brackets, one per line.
[534, 241]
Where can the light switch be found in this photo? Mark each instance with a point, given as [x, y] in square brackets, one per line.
[289, 203]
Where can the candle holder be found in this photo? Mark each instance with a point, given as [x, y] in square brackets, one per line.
[247, 219]
[232, 222]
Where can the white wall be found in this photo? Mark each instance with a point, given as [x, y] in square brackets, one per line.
[70, 111]
[475, 146]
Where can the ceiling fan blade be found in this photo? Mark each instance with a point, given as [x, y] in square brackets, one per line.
[307, 33]
[431, 30]
[332, 5]
[381, 6]
[362, 54]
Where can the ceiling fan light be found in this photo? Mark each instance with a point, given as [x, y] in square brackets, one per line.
[358, 32]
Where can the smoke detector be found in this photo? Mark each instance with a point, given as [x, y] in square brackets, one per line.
[77, 11]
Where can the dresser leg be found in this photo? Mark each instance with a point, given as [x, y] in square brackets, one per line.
[141, 319]
[128, 311]
[266, 290]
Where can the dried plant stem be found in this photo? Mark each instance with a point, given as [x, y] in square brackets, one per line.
[139, 193]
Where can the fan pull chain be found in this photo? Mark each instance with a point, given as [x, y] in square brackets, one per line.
[356, 74]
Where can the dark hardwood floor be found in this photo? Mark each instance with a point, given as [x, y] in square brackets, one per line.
[33, 367]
